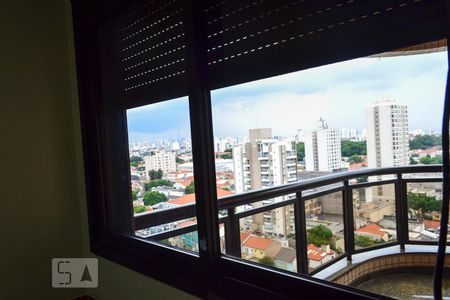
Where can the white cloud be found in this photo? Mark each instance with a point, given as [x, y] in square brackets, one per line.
[338, 93]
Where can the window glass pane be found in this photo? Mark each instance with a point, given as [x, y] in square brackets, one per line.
[374, 215]
[162, 177]
[273, 242]
[367, 113]
[424, 210]
[325, 229]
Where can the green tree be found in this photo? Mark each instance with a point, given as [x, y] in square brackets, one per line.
[423, 203]
[153, 174]
[179, 160]
[134, 194]
[349, 148]
[319, 235]
[427, 160]
[364, 241]
[135, 161]
[300, 151]
[152, 198]
[425, 141]
[266, 260]
[437, 159]
[412, 161]
[355, 159]
[139, 209]
[226, 156]
[362, 179]
[190, 189]
[157, 182]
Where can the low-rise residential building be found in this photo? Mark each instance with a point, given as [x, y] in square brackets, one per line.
[190, 198]
[376, 210]
[258, 247]
[358, 166]
[188, 166]
[184, 200]
[183, 183]
[374, 232]
[317, 256]
[188, 240]
[431, 152]
[169, 191]
[286, 259]
[177, 175]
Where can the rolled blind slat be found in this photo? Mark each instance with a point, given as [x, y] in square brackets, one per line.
[142, 54]
[249, 40]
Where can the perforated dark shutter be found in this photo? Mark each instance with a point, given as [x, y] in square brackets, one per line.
[249, 40]
[142, 54]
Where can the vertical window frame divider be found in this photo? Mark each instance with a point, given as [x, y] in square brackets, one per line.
[201, 133]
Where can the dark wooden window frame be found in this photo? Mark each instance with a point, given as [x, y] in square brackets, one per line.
[209, 272]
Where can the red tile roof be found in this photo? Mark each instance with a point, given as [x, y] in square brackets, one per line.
[222, 193]
[186, 223]
[190, 198]
[315, 253]
[257, 242]
[244, 236]
[187, 182]
[428, 151]
[183, 200]
[431, 224]
[357, 166]
[372, 229]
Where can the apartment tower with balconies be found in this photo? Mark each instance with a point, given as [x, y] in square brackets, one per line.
[387, 140]
[260, 163]
[322, 148]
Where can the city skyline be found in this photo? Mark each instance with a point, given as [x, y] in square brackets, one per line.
[341, 94]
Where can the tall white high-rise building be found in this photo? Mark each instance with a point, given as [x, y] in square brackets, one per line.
[323, 148]
[387, 134]
[263, 162]
[387, 143]
[160, 160]
[363, 135]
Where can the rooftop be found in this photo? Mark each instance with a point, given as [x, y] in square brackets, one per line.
[316, 253]
[372, 229]
[190, 198]
[286, 255]
[256, 242]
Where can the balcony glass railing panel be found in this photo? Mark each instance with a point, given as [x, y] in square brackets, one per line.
[424, 201]
[270, 239]
[325, 229]
[374, 214]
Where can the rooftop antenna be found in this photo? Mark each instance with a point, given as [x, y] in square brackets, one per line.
[322, 124]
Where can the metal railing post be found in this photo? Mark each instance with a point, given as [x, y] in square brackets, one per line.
[401, 207]
[232, 234]
[300, 234]
[347, 206]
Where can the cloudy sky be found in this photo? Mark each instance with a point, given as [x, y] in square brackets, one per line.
[337, 92]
